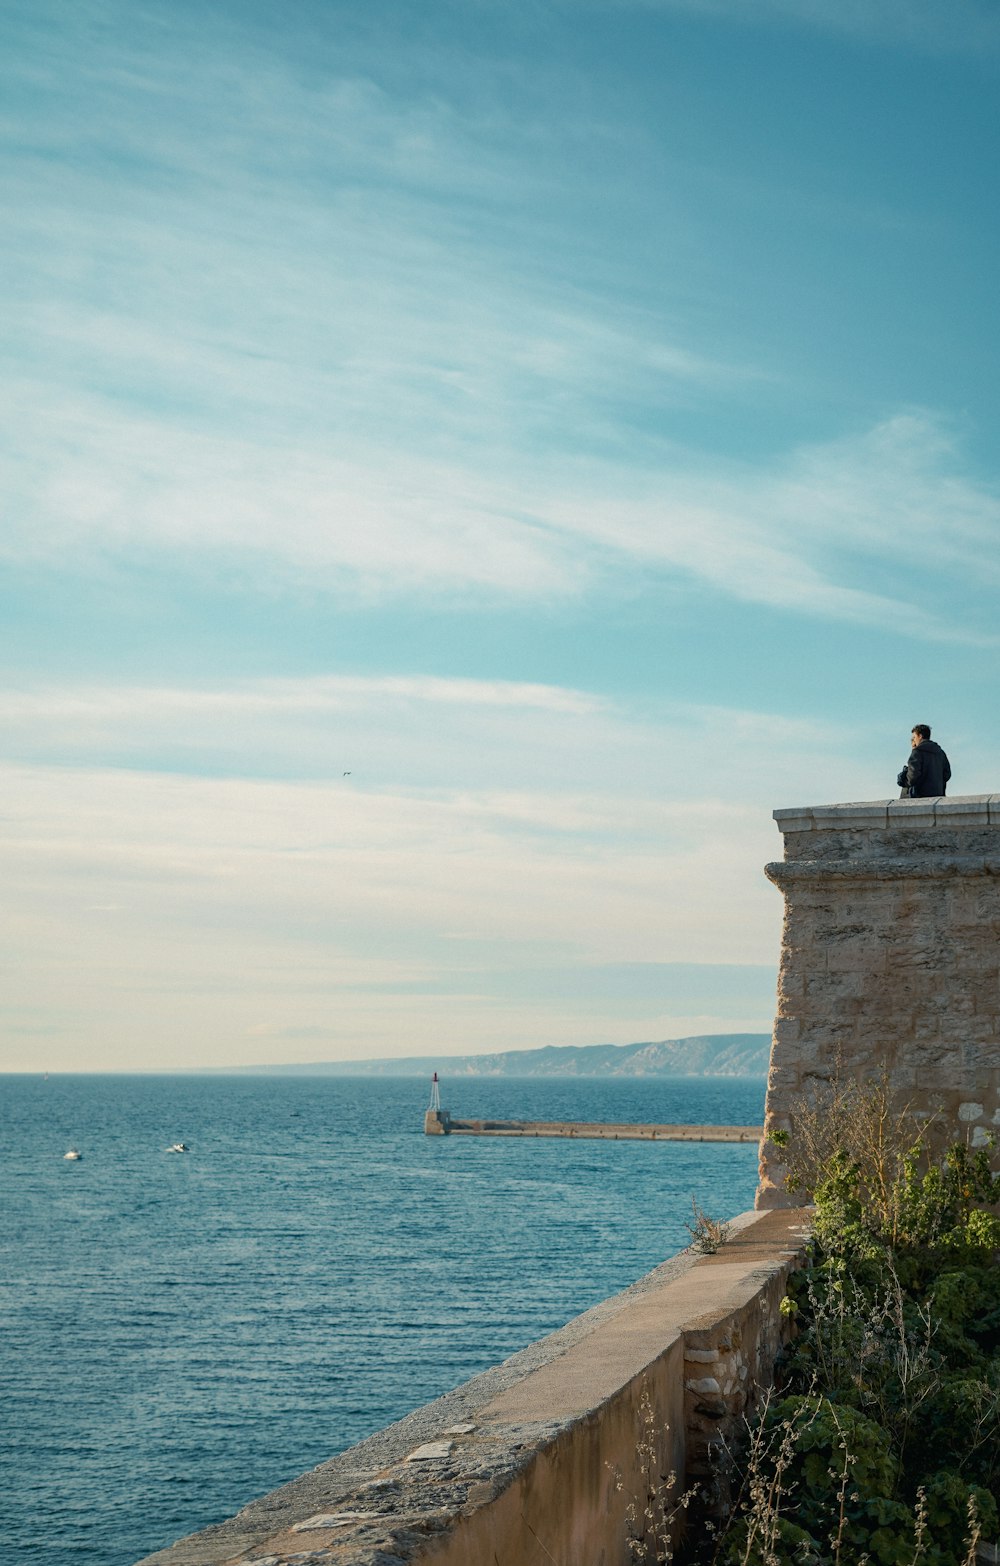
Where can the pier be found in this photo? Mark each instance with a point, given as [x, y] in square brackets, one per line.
[438, 1122]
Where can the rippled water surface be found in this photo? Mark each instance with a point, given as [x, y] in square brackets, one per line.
[185, 1331]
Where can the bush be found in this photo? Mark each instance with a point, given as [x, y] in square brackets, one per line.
[884, 1445]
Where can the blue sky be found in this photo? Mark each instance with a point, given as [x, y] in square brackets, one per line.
[463, 467]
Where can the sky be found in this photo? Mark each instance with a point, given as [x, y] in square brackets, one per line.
[463, 466]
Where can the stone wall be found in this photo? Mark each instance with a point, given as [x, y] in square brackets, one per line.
[890, 962]
[535, 1462]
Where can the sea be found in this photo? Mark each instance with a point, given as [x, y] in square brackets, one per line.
[185, 1331]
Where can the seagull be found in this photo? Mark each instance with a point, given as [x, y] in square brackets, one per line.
[347, 774]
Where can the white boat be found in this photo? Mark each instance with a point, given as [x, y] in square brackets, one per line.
[178, 1147]
[73, 1154]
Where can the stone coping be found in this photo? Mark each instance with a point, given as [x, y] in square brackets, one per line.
[973, 810]
[425, 1480]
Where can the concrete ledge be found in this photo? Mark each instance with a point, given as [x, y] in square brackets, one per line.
[886, 814]
[536, 1460]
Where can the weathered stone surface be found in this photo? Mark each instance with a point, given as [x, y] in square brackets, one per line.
[889, 961]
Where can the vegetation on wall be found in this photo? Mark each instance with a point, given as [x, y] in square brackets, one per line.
[881, 1441]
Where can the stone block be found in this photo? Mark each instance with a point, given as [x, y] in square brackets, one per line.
[808, 948]
[920, 954]
[942, 1056]
[969, 810]
[924, 1054]
[860, 956]
[939, 1099]
[827, 1034]
[786, 1030]
[814, 1056]
[982, 1058]
[911, 814]
[780, 1078]
[792, 821]
[904, 1078]
[928, 1027]
[982, 1029]
[939, 1001]
[837, 985]
[712, 1408]
[861, 815]
[959, 1005]
[969, 1111]
[969, 943]
[430, 1452]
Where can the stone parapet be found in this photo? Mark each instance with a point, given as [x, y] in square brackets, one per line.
[535, 1462]
[891, 814]
[890, 962]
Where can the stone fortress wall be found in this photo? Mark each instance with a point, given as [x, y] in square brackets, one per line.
[890, 961]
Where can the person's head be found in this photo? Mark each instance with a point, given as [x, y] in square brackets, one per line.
[921, 732]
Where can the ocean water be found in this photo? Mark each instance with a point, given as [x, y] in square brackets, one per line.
[184, 1332]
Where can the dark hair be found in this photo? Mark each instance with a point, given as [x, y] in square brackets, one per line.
[923, 729]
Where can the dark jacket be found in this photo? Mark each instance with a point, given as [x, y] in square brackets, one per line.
[926, 774]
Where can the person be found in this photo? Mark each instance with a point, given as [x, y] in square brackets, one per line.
[926, 774]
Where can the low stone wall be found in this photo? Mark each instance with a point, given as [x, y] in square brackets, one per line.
[534, 1463]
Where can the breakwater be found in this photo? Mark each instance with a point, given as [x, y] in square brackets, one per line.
[438, 1122]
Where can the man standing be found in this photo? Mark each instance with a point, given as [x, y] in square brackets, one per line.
[926, 774]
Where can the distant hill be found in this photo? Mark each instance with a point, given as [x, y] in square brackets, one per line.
[708, 1055]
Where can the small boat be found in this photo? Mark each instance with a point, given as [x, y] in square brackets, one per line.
[178, 1147]
[73, 1154]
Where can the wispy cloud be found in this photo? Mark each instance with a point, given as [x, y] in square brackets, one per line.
[507, 745]
[395, 242]
[291, 905]
[393, 396]
[495, 841]
[326, 694]
[351, 400]
[965, 26]
[806, 531]
[818, 532]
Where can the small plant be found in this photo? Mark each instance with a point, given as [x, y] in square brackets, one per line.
[859, 1123]
[707, 1234]
[759, 1524]
[974, 1532]
[652, 1518]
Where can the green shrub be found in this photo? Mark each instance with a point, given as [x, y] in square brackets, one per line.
[948, 1495]
[885, 1445]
